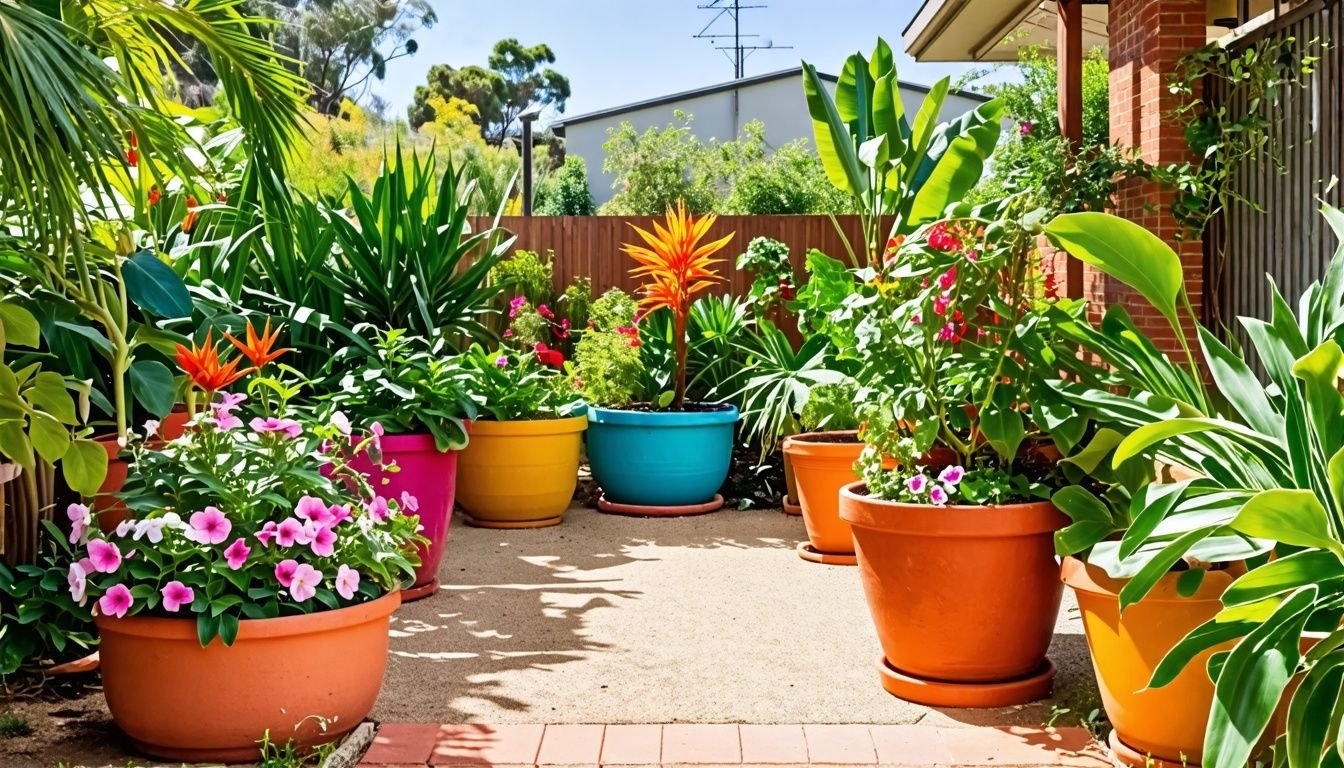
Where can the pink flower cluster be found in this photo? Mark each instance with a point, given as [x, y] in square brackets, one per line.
[938, 492]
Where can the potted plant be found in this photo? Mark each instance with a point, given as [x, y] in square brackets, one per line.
[667, 457]
[823, 463]
[521, 466]
[1264, 460]
[248, 584]
[416, 400]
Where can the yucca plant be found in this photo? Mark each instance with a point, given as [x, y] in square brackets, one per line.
[675, 266]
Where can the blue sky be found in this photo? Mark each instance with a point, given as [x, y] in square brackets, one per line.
[619, 51]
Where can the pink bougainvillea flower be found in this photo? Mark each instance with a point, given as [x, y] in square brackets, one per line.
[80, 518]
[284, 572]
[942, 239]
[341, 423]
[237, 554]
[951, 475]
[322, 540]
[917, 484]
[271, 425]
[175, 595]
[267, 533]
[289, 532]
[116, 601]
[940, 304]
[937, 496]
[377, 508]
[78, 580]
[347, 581]
[312, 508]
[305, 582]
[948, 278]
[409, 504]
[562, 331]
[104, 555]
[209, 526]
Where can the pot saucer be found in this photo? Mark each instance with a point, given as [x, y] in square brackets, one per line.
[420, 592]
[639, 510]
[1124, 755]
[545, 522]
[812, 555]
[941, 693]
[791, 507]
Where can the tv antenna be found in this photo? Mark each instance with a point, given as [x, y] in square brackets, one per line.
[742, 45]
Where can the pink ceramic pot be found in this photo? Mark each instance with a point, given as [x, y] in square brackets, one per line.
[430, 475]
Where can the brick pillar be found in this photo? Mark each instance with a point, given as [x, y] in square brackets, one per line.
[1147, 38]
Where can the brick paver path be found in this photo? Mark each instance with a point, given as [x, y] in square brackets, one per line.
[409, 745]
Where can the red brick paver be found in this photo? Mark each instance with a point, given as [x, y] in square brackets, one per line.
[403, 745]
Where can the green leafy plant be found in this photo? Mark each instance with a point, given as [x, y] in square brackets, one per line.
[526, 274]
[405, 383]
[778, 382]
[607, 368]
[830, 406]
[767, 261]
[517, 386]
[565, 192]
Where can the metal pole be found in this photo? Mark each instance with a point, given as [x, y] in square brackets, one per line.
[527, 167]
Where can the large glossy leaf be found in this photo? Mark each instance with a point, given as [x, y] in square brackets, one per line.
[1311, 713]
[1125, 251]
[834, 144]
[1150, 435]
[1157, 567]
[84, 467]
[1207, 635]
[155, 287]
[18, 326]
[1150, 506]
[153, 386]
[1285, 574]
[1288, 516]
[1238, 383]
[959, 166]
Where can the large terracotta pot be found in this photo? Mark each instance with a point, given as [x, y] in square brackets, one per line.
[790, 500]
[179, 701]
[430, 475]
[520, 474]
[109, 510]
[823, 463]
[1167, 723]
[964, 598]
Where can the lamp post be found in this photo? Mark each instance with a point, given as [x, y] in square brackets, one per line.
[526, 117]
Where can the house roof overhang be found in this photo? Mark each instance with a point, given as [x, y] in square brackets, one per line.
[993, 30]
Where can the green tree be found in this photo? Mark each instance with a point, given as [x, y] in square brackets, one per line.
[656, 168]
[565, 192]
[515, 78]
[789, 180]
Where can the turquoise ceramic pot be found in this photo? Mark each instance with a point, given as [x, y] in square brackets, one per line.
[660, 458]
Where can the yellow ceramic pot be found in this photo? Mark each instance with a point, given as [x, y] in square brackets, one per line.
[520, 474]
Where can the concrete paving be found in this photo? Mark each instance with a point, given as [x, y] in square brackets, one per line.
[710, 619]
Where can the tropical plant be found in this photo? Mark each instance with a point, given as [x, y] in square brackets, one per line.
[402, 384]
[911, 171]
[831, 406]
[715, 330]
[778, 382]
[675, 266]
[517, 386]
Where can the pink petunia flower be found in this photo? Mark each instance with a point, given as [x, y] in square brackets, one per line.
[322, 540]
[267, 533]
[152, 528]
[284, 572]
[237, 554]
[314, 509]
[77, 579]
[175, 595]
[80, 519]
[209, 526]
[516, 305]
[289, 532]
[104, 555]
[377, 508]
[502, 361]
[305, 582]
[951, 475]
[230, 400]
[409, 504]
[116, 601]
[339, 513]
[224, 421]
[271, 425]
[917, 484]
[347, 581]
[937, 496]
[125, 528]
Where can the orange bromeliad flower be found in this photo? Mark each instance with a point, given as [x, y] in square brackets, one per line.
[258, 349]
[203, 366]
[675, 266]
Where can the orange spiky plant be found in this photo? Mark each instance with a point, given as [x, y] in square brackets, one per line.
[675, 266]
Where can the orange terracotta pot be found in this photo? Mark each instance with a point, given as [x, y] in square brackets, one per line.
[174, 425]
[964, 598]
[790, 500]
[823, 463]
[1165, 724]
[109, 510]
[179, 701]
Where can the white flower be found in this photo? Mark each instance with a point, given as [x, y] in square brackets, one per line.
[151, 427]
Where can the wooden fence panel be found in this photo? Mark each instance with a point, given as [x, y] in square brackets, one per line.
[591, 245]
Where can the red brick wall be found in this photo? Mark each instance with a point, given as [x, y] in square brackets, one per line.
[1147, 38]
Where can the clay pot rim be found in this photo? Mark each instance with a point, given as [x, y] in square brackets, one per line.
[812, 445]
[1030, 518]
[1082, 576]
[563, 425]
[163, 628]
[414, 442]
[616, 417]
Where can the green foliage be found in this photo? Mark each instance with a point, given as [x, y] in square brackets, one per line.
[526, 274]
[767, 261]
[527, 327]
[565, 192]
[575, 304]
[777, 382]
[407, 383]
[39, 621]
[13, 724]
[516, 78]
[607, 369]
[516, 386]
[656, 169]
[789, 180]
[612, 310]
[830, 406]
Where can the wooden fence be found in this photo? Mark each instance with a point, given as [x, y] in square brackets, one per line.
[590, 246]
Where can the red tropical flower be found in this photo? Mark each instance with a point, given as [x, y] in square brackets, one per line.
[132, 156]
[189, 220]
[258, 349]
[552, 357]
[154, 195]
[203, 366]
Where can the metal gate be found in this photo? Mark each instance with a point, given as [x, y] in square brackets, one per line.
[1287, 239]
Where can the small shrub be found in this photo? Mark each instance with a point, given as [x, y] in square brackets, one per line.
[576, 302]
[830, 407]
[612, 310]
[527, 274]
[607, 368]
[790, 180]
[565, 192]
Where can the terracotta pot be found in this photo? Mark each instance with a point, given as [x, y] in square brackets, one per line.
[430, 475]
[790, 500]
[520, 474]
[109, 510]
[179, 701]
[964, 598]
[823, 463]
[174, 425]
[1165, 723]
